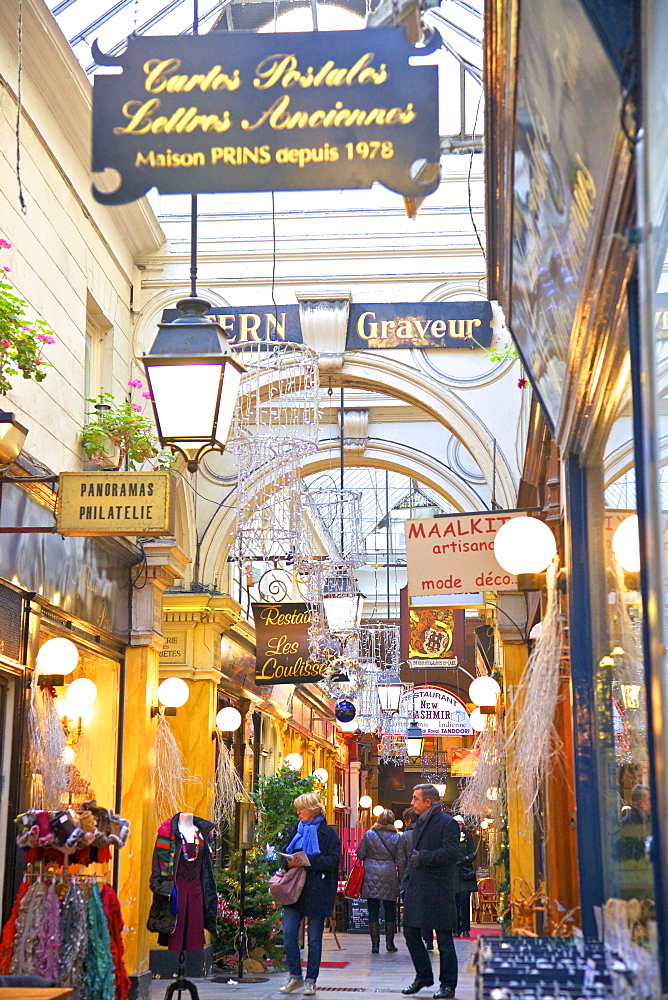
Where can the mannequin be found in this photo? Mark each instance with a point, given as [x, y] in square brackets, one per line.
[182, 876]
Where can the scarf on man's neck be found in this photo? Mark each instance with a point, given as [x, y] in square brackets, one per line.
[423, 817]
[306, 837]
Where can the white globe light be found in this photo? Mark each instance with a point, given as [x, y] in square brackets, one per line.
[365, 801]
[478, 720]
[536, 631]
[524, 545]
[228, 719]
[81, 695]
[398, 824]
[57, 656]
[295, 761]
[377, 810]
[348, 727]
[321, 775]
[68, 755]
[173, 693]
[484, 691]
[626, 544]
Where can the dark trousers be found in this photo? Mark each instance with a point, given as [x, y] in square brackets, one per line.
[422, 961]
[389, 909]
[463, 901]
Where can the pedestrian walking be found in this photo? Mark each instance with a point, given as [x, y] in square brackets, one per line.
[465, 882]
[429, 892]
[410, 816]
[384, 867]
[322, 848]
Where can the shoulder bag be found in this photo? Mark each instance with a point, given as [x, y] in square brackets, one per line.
[286, 886]
[355, 879]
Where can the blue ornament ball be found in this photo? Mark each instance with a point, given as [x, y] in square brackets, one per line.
[345, 711]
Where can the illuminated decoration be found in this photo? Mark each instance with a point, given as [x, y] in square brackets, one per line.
[524, 545]
[345, 711]
[398, 824]
[492, 794]
[626, 544]
[366, 802]
[173, 692]
[631, 695]
[321, 775]
[343, 611]
[348, 727]
[484, 691]
[392, 750]
[81, 696]
[414, 741]
[440, 788]
[435, 766]
[479, 721]
[68, 755]
[12, 438]
[377, 810]
[228, 719]
[295, 761]
[57, 656]
[536, 631]
[193, 380]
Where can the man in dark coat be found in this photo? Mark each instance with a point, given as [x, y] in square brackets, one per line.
[429, 891]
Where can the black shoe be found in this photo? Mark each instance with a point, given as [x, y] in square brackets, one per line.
[444, 993]
[415, 987]
[429, 947]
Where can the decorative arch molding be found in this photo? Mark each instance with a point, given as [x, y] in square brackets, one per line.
[379, 454]
[617, 463]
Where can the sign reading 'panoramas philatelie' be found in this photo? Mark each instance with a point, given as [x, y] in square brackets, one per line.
[245, 111]
[282, 648]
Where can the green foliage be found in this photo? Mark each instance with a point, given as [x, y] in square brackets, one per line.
[127, 426]
[276, 817]
[21, 340]
[502, 860]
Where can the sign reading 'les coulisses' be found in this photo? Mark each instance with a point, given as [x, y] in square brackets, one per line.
[245, 111]
[281, 640]
[455, 554]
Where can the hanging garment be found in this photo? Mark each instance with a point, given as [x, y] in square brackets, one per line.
[112, 909]
[73, 939]
[167, 862]
[28, 923]
[98, 967]
[188, 934]
[47, 952]
[9, 931]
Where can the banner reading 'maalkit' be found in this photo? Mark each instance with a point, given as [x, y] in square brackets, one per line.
[249, 111]
[281, 640]
[454, 554]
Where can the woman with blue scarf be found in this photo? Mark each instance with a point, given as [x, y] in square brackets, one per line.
[322, 846]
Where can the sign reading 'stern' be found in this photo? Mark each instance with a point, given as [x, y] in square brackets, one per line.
[267, 112]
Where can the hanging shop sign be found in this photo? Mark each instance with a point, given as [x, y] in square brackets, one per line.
[464, 762]
[454, 554]
[437, 711]
[282, 644]
[432, 637]
[248, 111]
[370, 325]
[114, 503]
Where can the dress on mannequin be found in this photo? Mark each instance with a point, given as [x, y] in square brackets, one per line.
[183, 871]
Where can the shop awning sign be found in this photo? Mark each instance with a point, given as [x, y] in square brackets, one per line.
[282, 644]
[465, 762]
[437, 711]
[247, 111]
[114, 503]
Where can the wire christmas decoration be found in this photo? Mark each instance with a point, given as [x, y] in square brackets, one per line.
[50, 786]
[380, 643]
[484, 794]
[392, 750]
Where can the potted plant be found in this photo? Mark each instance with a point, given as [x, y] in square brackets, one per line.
[21, 340]
[117, 433]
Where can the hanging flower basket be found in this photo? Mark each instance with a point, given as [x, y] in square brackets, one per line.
[117, 432]
[21, 340]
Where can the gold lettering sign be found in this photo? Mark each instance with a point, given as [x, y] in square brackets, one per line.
[114, 503]
[282, 644]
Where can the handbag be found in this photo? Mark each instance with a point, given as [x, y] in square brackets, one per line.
[354, 884]
[286, 886]
[467, 872]
[161, 919]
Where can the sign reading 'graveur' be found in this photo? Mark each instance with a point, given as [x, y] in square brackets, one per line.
[282, 648]
[266, 112]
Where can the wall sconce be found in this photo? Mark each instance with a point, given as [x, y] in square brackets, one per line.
[57, 659]
[481, 721]
[68, 755]
[80, 698]
[228, 720]
[173, 693]
[321, 775]
[484, 692]
[295, 761]
[365, 801]
[525, 547]
[398, 824]
[12, 438]
[377, 810]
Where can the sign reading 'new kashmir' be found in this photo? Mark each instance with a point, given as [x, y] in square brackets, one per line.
[281, 639]
[437, 711]
[114, 503]
[247, 111]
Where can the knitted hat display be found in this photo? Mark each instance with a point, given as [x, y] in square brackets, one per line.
[44, 825]
[74, 841]
[24, 824]
[33, 836]
[87, 821]
[63, 825]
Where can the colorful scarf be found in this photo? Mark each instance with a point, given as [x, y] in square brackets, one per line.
[166, 844]
[306, 837]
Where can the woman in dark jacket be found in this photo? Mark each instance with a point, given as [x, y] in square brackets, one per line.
[322, 847]
[465, 879]
[384, 866]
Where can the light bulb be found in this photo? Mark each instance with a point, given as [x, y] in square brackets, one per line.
[484, 691]
[377, 810]
[536, 631]
[478, 720]
[173, 693]
[68, 755]
[228, 719]
[321, 775]
[295, 761]
[348, 727]
[398, 824]
[365, 801]
[524, 545]
[626, 544]
[57, 656]
[81, 695]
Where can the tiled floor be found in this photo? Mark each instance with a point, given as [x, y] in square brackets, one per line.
[374, 975]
